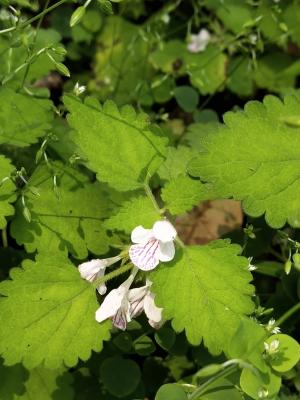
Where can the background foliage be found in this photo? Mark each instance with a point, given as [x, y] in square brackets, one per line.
[108, 120]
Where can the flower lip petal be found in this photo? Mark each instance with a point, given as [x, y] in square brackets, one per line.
[152, 312]
[111, 304]
[145, 257]
[166, 251]
[141, 235]
[164, 231]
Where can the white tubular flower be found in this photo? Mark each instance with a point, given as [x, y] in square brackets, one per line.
[94, 269]
[199, 42]
[116, 306]
[152, 245]
[272, 348]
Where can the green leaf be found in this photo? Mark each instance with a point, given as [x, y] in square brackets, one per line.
[171, 391]
[288, 354]
[12, 381]
[255, 383]
[165, 337]
[138, 211]
[70, 220]
[128, 148]
[47, 384]
[23, 118]
[49, 314]
[198, 292]
[7, 189]
[144, 346]
[176, 162]
[260, 164]
[186, 97]
[120, 376]
[207, 70]
[121, 69]
[183, 193]
[247, 343]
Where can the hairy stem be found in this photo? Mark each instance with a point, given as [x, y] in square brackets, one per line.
[152, 198]
[4, 237]
[113, 274]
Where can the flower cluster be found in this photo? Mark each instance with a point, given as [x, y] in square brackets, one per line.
[121, 305]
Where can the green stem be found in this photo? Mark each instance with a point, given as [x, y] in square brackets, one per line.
[288, 314]
[203, 388]
[152, 198]
[38, 16]
[4, 237]
[113, 274]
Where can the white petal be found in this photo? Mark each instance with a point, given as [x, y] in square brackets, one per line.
[166, 251]
[90, 269]
[120, 319]
[111, 304]
[136, 300]
[141, 235]
[145, 256]
[153, 313]
[164, 231]
[102, 289]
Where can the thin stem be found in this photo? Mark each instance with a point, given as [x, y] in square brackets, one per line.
[152, 198]
[203, 388]
[114, 274]
[4, 237]
[38, 16]
[288, 314]
[34, 43]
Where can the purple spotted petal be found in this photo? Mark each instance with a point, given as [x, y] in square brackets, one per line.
[145, 256]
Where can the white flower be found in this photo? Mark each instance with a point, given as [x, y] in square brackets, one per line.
[263, 393]
[152, 245]
[141, 299]
[251, 267]
[272, 348]
[78, 90]
[271, 326]
[94, 269]
[123, 304]
[116, 306]
[199, 42]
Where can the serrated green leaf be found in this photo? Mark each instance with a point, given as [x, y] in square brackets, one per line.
[138, 211]
[72, 221]
[23, 118]
[47, 384]
[176, 162]
[120, 137]
[197, 291]
[183, 193]
[260, 164]
[49, 314]
[7, 189]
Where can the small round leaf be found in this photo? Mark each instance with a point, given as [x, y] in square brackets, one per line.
[186, 97]
[120, 376]
[171, 391]
[288, 354]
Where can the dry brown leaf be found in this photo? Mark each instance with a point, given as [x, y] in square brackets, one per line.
[209, 221]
